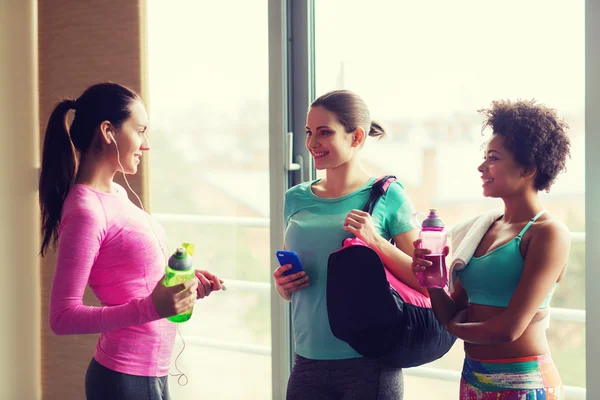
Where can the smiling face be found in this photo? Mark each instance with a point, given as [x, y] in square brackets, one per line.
[327, 141]
[501, 175]
[132, 138]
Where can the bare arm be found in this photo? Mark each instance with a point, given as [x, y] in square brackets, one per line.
[445, 307]
[546, 257]
[396, 258]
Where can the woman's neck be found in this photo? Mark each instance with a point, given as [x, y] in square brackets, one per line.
[95, 173]
[344, 179]
[522, 207]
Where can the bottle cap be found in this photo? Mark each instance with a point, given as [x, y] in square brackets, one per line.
[180, 252]
[180, 260]
[433, 221]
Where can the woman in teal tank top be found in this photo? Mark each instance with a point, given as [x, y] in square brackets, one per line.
[319, 215]
[500, 303]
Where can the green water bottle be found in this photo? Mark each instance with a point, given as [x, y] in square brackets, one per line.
[179, 270]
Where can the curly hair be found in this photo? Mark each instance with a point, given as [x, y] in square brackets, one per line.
[534, 134]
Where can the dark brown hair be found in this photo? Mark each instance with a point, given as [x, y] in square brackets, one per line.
[62, 144]
[534, 134]
[350, 110]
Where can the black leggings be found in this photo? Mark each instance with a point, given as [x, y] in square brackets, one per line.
[102, 383]
[350, 379]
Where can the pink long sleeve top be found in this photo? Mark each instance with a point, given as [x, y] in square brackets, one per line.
[107, 242]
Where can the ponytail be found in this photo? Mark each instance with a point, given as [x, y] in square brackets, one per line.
[376, 130]
[105, 101]
[59, 164]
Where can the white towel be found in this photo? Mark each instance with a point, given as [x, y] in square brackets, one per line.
[465, 238]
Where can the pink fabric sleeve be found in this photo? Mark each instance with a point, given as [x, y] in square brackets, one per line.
[81, 233]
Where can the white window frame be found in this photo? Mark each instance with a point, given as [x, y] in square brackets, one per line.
[592, 196]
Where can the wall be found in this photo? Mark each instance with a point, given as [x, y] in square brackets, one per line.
[19, 216]
[81, 43]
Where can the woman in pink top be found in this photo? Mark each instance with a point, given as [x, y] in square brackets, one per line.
[105, 241]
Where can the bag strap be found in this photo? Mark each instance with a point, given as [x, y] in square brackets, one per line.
[379, 188]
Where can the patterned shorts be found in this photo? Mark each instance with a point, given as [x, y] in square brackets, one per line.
[527, 378]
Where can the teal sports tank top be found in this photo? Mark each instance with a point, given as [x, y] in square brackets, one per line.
[492, 279]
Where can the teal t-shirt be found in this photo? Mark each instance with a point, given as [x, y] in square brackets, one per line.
[315, 229]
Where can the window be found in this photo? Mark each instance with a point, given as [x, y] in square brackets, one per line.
[424, 68]
[209, 182]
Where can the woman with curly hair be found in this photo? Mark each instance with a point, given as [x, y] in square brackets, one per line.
[507, 265]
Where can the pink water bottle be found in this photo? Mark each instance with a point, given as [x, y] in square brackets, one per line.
[433, 238]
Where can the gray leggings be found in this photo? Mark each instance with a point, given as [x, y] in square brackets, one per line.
[102, 383]
[349, 379]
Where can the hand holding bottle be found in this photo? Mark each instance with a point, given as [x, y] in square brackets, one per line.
[173, 300]
[429, 259]
[419, 263]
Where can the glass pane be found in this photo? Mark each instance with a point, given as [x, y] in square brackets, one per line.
[222, 374]
[427, 388]
[571, 291]
[453, 360]
[424, 69]
[209, 182]
[567, 344]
